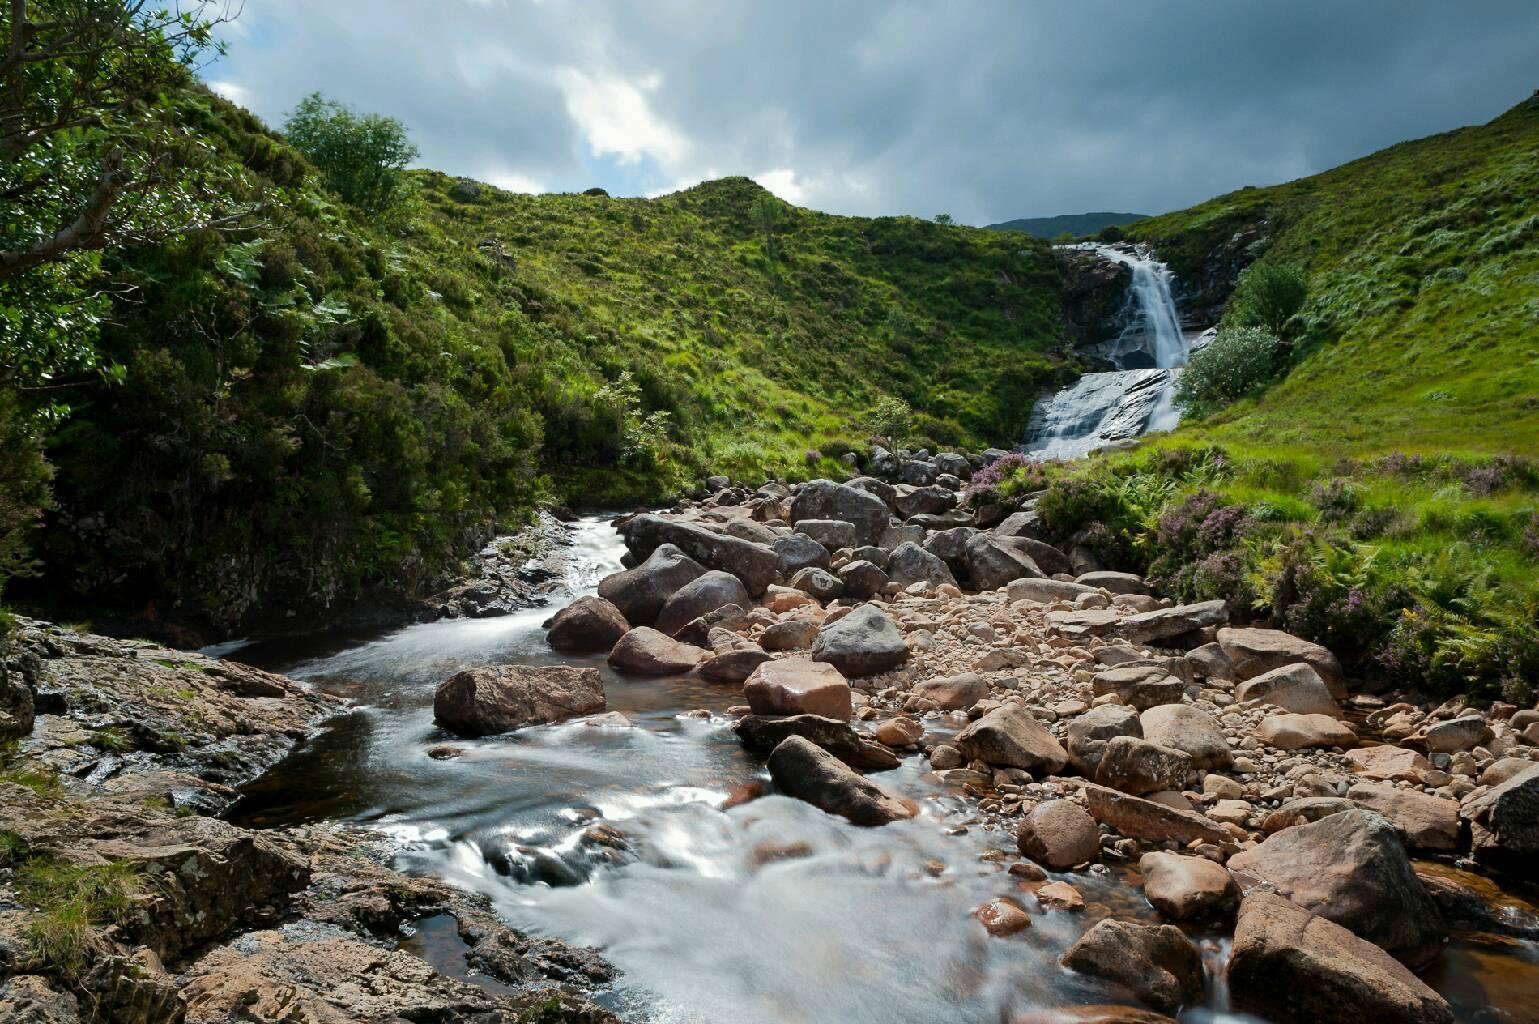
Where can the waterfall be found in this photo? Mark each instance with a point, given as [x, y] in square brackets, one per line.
[1103, 409]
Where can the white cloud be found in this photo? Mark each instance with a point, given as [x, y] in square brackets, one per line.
[232, 92]
[512, 181]
[782, 181]
[616, 118]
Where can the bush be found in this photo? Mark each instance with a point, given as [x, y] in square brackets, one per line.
[1267, 295]
[1239, 362]
[362, 156]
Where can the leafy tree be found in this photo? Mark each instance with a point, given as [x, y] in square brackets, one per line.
[943, 218]
[362, 155]
[1239, 362]
[1268, 294]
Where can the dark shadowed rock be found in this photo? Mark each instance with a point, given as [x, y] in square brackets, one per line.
[1351, 868]
[1059, 834]
[992, 562]
[825, 499]
[700, 596]
[803, 770]
[910, 563]
[798, 551]
[482, 701]
[586, 626]
[754, 564]
[862, 580]
[862, 643]
[1157, 963]
[732, 662]
[1294, 967]
[640, 593]
[881, 488]
[924, 501]
[1046, 557]
[763, 733]
[645, 651]
[1008, 737]
[1504, 823]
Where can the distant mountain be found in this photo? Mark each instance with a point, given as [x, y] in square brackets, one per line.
[1072, 223]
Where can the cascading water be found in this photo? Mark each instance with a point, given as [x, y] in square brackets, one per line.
[1103, 409]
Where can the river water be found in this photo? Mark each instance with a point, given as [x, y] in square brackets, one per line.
[766, 911]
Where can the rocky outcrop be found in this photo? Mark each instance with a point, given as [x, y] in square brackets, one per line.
[803, 770]
[756, 565]
[483, 701]
[640, 593]
[1156, 963]
[589, 625]
[862, 643]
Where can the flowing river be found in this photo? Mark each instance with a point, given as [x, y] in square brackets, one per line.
[765, 911]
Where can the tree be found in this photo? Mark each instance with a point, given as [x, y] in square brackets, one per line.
[1239, 362]
[89, 156]
[943, 218]
[1268, 294]
[362, 156]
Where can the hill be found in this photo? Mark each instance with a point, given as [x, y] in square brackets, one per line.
[1076, 224]
[325, 406]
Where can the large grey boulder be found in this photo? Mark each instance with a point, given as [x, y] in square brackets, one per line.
[1089, 733]
[798, 551]
[1297, 688]
[917, 472]
[755, 564]
[640, 593]
[862, 580]
[1156, 963]
[820, 583]
[992, 563]
[586, 626]
[807, 772]
[493, 699]
[862, 643]
[950, 546]
[1165, 623]
[761, 734]
[955, 464]
[1137, 766]
[1190, 729]
[1351, 868]
[1253, 651]
[1504, 823]
[1008, 737]
[825, 499]
[700, 596]
[1045, 591]
[925, 501]
[833, 534]
[1047, 558]
[881, 488]
[1295, 967]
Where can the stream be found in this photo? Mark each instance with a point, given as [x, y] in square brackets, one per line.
[766, 911]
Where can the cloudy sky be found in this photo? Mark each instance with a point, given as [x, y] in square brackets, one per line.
[985, 110]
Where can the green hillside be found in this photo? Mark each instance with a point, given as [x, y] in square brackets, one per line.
[1077, 224]
[324, 406]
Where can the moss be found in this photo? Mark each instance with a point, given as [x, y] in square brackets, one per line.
[71, 902]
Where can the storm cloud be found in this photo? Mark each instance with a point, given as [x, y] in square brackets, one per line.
[984, 110]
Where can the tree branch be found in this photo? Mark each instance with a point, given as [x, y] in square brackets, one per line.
[87, 231]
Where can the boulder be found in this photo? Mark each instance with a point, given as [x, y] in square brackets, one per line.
[881, 488]
[791, 635]
[493, 699]
[1008, 737]
[1137, 766]
[1059, 835]
[1165, 623]
[700, 596]
[1114, 582]
[910, 563]
[1504, 823]
[805, 771]
[950, 546]
[1138, 818]
[798, 551]
[955, 464]
[1294, 967]
[991, 562]
[825, 499]
[640, 593]
[1025, 523]
[1463, 733]
[754, 564]
[820, 583]
[953, 693]
[1253, 651]
[861, 579]
[902, 731]
[1303, 809]
[1046, 557]
[862, 643]
[1389, 764]
[1142, 686]
[732, 663]
[586, 626]
[1298, 732]
[832, 534]
[1186, 728]
[917, 472]
[1156, 963]
[925, 501]
[796, 686]
[1186, 888]
[1351, 868]
[1424, 821]
[1089, 733]
[645, 651]
[763, 733]
[1297, 688]
[1045, 591]
[901, 533]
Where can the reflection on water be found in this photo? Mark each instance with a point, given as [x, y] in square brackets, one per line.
[614, 836]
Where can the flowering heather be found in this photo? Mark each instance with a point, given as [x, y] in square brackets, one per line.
[992, 475]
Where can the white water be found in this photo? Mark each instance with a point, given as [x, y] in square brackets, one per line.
[1103, 409]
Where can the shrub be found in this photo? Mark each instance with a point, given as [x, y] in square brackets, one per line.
[1267, 295]
[1239, 362]
[362, 156]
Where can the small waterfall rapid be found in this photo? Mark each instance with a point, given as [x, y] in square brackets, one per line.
[1103, 409]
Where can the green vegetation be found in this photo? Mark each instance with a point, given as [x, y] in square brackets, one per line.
[71, 901]
[362, 156]
[1069, 226]
[1239, 362]
[1267, 295]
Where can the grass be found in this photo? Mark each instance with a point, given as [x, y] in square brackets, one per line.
[70, 901]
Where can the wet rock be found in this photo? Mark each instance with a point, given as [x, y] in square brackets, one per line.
[645, 651]
[795, 686]
[1295, 967]
[1189, 729]
[701, 596]
[1165, 623]
[862, 579]
[1425, 822]
[754, 564]
[910, 563]
[1137, 766]
[640, 593]
[1156, 963]
[793, 635]
[1059, 834]
[586, 626]
[1253, 651]
[1060, 896]
[1297, 688]
[1298, 732]
[1092, 1015]
[862, 643]
[1138, 818]
[1187, 888]
[803, 770]
[825, 499]
[1009, 737]
[798, 551]
[899, 732]
[1002, 918]
[953, 693]
[1504, 823]
[1088, 734]
[733, 664]
[1351, 868]
[763, 733]
[992, 563]
[493, 699]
